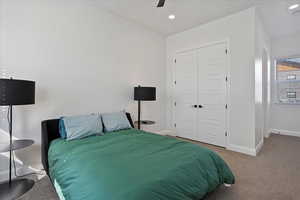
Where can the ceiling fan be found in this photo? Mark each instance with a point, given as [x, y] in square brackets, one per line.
[161, 3]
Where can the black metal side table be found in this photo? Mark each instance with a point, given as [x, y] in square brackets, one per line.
[18, 187]
[144, 122]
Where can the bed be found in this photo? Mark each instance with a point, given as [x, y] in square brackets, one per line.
[130, 164]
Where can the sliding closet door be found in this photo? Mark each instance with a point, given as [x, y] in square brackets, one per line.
[186, 95]
[212, 71]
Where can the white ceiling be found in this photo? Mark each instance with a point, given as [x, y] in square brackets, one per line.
[190, 13]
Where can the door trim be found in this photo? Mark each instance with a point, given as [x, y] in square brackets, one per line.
[228, 83]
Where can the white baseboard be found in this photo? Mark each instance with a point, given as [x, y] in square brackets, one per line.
[166, 132]
[259, 146]
[285, 132]
[246, 150]
[241, 149]
[267, 135]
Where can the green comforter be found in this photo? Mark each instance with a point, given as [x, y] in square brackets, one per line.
[135, 165]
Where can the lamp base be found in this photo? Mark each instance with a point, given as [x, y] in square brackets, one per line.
[17, 188]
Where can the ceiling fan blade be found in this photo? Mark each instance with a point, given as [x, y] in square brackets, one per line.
[161, 3]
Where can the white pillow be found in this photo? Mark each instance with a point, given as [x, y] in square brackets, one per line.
[115, 121]
[82, 126]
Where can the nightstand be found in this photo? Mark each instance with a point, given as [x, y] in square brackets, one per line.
[146, 125]
[143, 123]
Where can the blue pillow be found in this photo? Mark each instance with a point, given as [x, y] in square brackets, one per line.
[82, 126]
[115, 121]
[62, 129]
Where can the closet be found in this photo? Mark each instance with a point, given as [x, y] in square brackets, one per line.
[200, 94]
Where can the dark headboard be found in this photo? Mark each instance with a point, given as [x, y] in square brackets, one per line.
[50, 132]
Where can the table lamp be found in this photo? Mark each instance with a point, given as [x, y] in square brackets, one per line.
[143, 94]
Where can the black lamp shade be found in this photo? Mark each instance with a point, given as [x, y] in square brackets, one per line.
[145, 93]
[16, 92]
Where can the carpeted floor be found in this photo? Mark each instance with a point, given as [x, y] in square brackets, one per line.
[273, 175]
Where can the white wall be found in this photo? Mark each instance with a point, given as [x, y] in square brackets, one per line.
[83, 60]
[239, 30]
[262, 82]
[284, 117]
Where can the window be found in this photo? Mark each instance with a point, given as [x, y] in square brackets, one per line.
[288, 80]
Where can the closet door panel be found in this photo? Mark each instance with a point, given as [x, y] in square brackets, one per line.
[212, 71]
[186, 94]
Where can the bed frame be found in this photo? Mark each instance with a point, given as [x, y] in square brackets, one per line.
[50, 131]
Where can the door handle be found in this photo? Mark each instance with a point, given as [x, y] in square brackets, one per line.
[200, 106]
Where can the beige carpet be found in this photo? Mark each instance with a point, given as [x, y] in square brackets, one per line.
[273, 175]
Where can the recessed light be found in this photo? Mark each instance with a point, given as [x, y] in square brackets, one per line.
[171, 17]
[292, 7]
